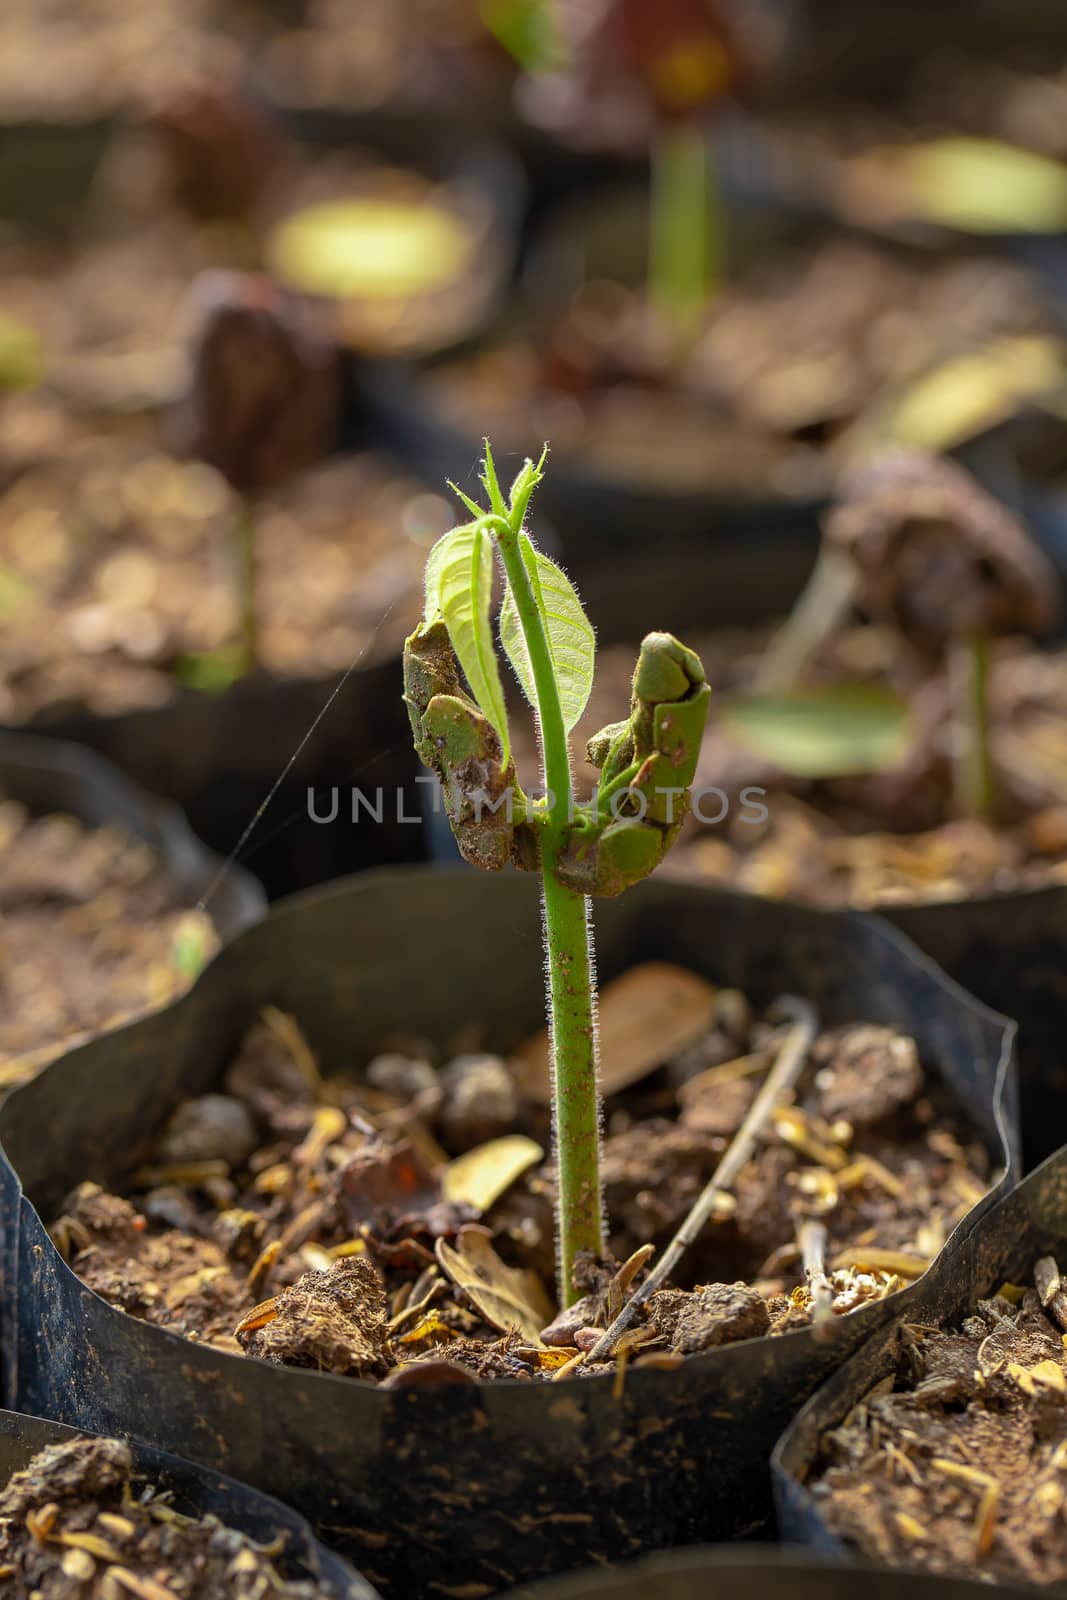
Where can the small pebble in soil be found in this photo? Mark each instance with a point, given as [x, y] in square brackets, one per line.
[481, 1101]
[213, 1127]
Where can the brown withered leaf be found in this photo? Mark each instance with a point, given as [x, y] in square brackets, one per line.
[647, 1016]
[480, 1176]
[507, 1297]
[389, 1187]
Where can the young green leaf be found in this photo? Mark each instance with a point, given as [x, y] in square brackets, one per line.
[491, 484]
[822, 733]
[459, 589]
[571, 640]
[526, 481]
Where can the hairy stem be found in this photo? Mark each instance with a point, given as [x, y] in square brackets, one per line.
[572, 1026]
[975, 782]
[685, 230]
[244, 544]
[571, 993]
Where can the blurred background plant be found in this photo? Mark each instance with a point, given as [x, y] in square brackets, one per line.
[719, 252]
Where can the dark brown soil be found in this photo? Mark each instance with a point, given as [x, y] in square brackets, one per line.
[93, 930]
[330, 1225]
[117, 564]
[62, 62]
[955, 1464]
[78, 1522]
[790, 355]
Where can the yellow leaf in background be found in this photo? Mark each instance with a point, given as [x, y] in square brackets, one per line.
[369, 247]
[986, 186]
[645, 1016]
[960, 398]
[482, 1175]
[507, 1297]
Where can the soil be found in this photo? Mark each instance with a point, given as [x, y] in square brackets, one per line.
[108, 294]
[65, 63]
[406, 55]
[955, 1463]
[344, 1225]
[79, 1521]
[790, 355]
[118, 577]
[93, 931]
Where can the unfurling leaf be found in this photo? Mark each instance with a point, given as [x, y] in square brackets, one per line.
[570, 634]
[507, 1297]
[480, 1176]
[459, 587]
[822, 733]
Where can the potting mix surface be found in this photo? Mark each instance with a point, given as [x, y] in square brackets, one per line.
[93, 930]
[80, 1521]
[396, 1223]
[955, 1463]
[116, 567]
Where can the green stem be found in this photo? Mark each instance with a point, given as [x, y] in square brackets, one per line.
[576, 1095]
[571, 991]
[821, 608]
[244, 539]
[685, 230]
[975, 781]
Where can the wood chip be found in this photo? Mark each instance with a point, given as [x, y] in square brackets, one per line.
[263, 1266]
[1051, 1375]
[1050, 1289]
[143, 1588]
[327, 1126]
[868, 1258]
[286, 1030]
[91, 1543]
[646, 1016]
[986, 1515]
[258, 1317]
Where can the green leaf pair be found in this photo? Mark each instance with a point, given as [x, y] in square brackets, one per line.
[459, 593]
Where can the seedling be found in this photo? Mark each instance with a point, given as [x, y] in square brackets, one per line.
[915, 542]
[650, 72]
[261, 408]
[581, 848]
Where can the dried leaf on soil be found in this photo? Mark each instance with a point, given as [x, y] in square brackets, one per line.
[506, 1296]
[647, 1015]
